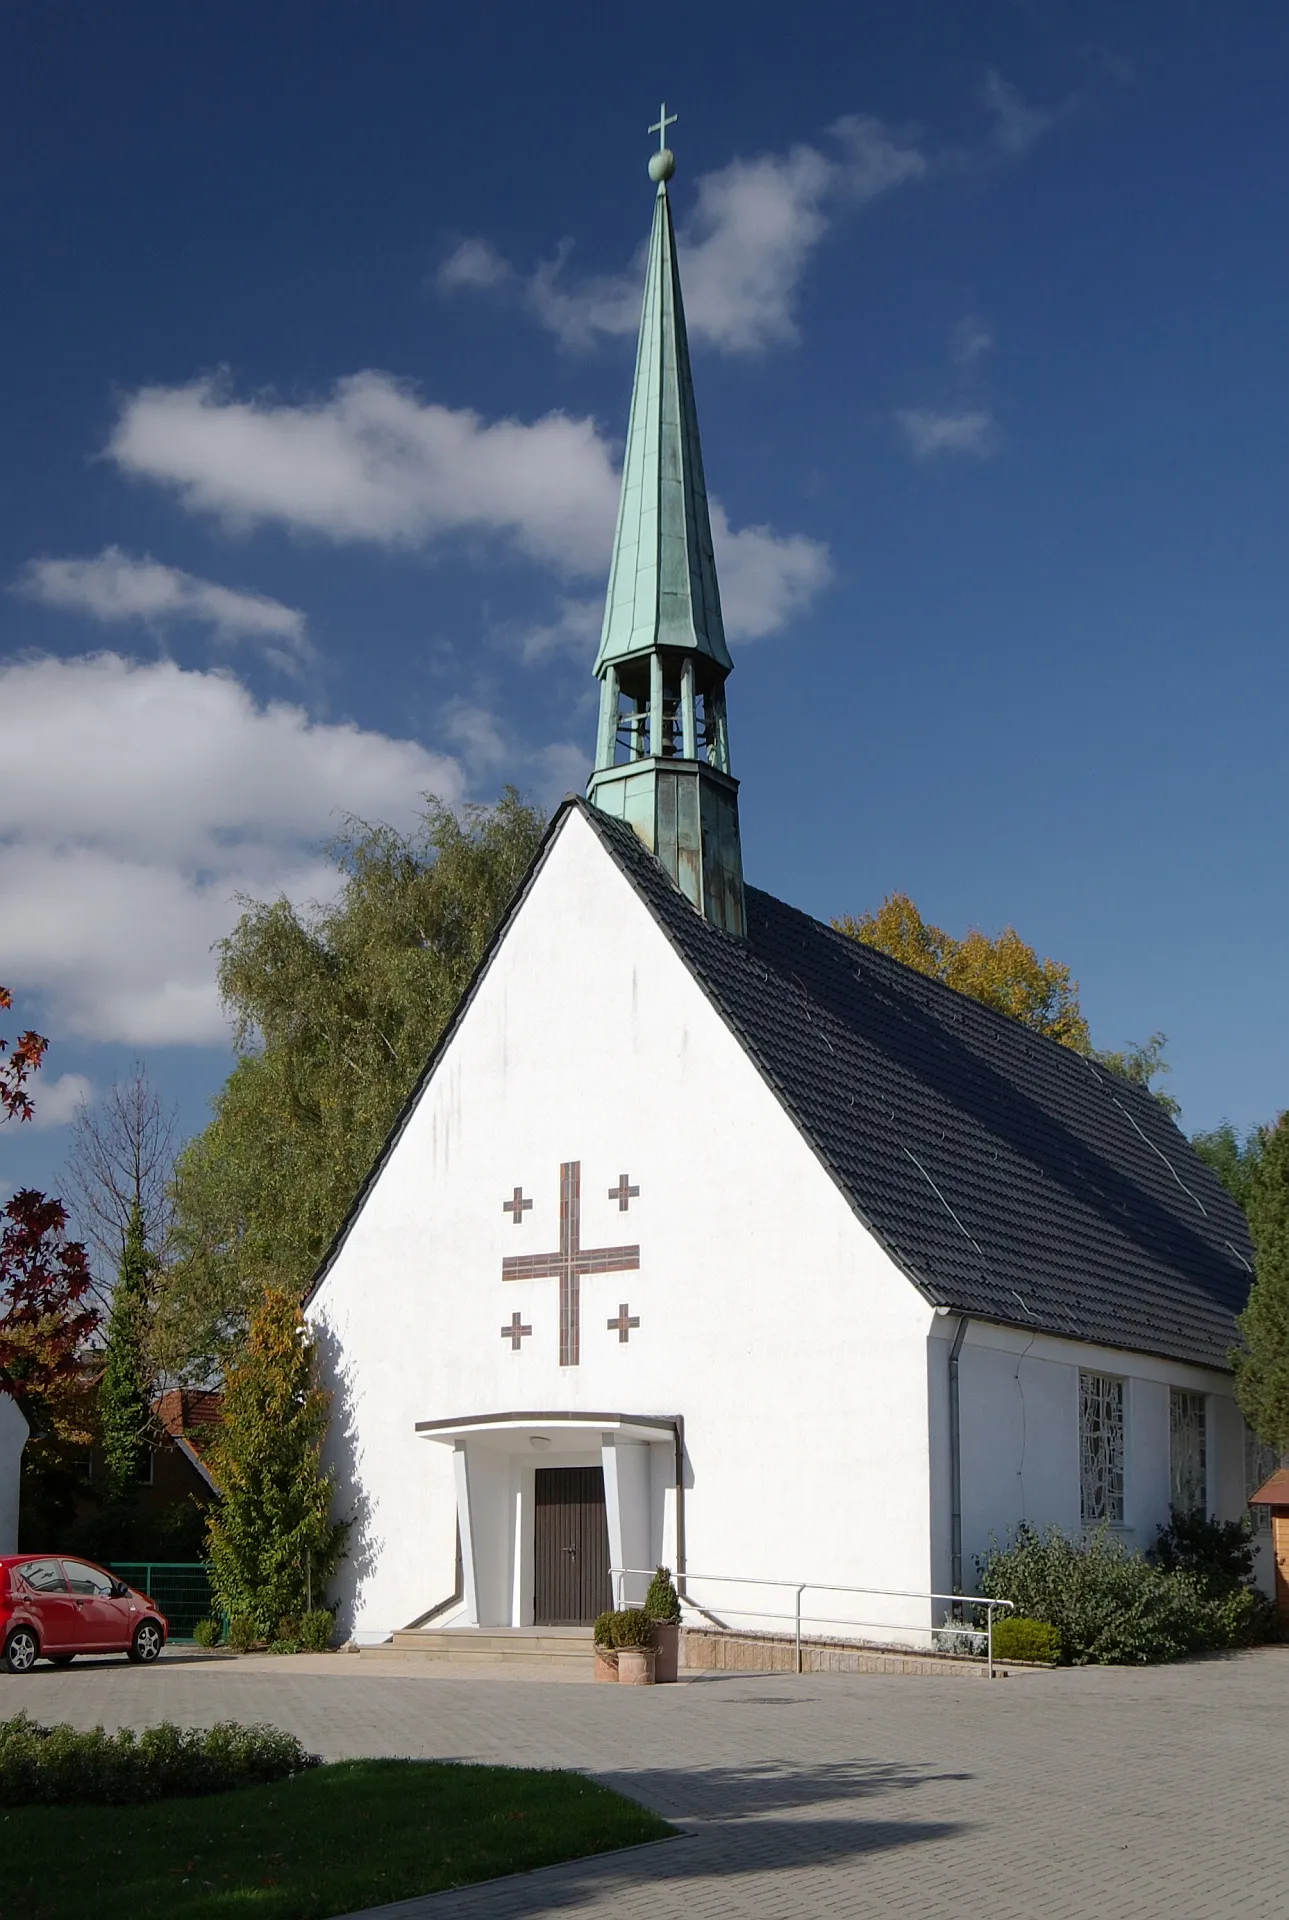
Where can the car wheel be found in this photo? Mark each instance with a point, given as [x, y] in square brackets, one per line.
[21, 1650]
[61, 1659]
[146, 1644]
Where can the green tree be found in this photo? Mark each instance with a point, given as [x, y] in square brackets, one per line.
[335, 1012]
[125, 1388]
[271, 1543]
[1262, 1362]
[1235, 1161]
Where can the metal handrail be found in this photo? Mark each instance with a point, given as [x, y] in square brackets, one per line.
[798, 1587]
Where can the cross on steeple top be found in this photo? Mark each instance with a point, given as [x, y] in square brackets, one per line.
[662, 123]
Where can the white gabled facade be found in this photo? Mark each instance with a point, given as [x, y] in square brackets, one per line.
[772, 1325]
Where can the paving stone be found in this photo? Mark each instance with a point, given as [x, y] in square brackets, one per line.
[1057, 1796]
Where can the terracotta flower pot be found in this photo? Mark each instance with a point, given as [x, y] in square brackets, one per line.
[666, 1640]
[606, 1664]
[635, 1666]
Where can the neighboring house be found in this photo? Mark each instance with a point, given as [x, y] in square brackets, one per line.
[176, 1472]
[711, 1238]
[187, 1422]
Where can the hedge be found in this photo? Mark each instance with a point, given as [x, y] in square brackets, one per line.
[62, 1767]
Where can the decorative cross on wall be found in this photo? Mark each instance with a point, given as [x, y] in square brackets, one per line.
[623, 1194]
[624, 1323]
[569, 1262]
[515, 1332]
[516, 1207]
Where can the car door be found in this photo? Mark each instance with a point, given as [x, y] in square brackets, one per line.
[45, 1592]
[101, 1620]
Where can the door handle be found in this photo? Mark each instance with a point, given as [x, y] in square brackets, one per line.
[570, 1549]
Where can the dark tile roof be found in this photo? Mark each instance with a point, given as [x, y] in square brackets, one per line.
[1009, 1177]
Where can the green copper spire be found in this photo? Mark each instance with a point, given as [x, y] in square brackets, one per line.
[662, 759]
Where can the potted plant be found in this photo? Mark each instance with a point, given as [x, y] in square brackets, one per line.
[606, 1654]
[633, 1638]
[662, 1605]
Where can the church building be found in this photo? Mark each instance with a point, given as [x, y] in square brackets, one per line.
[713, 1239]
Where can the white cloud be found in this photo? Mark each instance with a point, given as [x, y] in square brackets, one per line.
[137, 801]
[1016, 126]
[373, 462]
[745, 248]
[970, 341]
[56, 1101]
[766, 578]
[115, 587]
[474, 263]
[575, 630]
[929, 432]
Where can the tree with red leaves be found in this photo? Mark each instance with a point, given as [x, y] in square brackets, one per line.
[28, 1052]
[45, 1315]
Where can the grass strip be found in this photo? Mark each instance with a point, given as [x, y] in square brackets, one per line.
[342, 1837]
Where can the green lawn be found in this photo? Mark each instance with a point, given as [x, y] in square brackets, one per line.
[322, 1843]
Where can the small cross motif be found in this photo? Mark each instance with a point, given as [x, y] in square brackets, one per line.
[623, 1194]
[516, 1207]
[515, 1332]
[624, 1323]
[662, 123]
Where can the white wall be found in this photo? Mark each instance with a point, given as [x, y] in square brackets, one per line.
[769, 1318]
[13, 1438]
[1019, 1402]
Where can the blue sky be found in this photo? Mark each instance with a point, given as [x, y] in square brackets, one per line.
[318, 351]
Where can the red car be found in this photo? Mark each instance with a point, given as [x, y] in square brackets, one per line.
[53, 1608]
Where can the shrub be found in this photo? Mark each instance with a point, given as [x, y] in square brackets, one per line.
[1018, 1639]
[604, 1628]
[1112, 1607]
[628, 1627]
[1218, 1552]
[242, 1636]
[59, 1766]
[317, 1629]
[662, 1602]
[208, 1633]
[283, 1646]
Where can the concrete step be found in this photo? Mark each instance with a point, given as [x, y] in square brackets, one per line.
[473, 1647]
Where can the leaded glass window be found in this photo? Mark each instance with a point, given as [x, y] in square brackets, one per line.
[1260, 1462]
[1188, 1452]
[1100, 1449]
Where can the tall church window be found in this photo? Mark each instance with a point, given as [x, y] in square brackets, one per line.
[1260, 1462]
[1188, 1451]
[1100, 1449]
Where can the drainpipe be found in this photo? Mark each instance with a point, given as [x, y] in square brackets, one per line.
[680, 1503]
[955, 1459]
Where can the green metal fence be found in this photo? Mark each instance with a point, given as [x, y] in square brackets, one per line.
[181, 1588]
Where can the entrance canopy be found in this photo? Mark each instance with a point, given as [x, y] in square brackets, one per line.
[527, 1510]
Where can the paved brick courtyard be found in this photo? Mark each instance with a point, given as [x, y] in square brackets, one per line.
[1099, 1793]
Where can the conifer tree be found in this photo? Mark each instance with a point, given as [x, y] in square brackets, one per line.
[125, 1390]
[272, 1544]
[1262, 1365]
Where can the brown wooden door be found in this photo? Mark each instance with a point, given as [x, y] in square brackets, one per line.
[571, 1547]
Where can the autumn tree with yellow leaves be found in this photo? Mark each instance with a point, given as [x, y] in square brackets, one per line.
[1006, 973]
